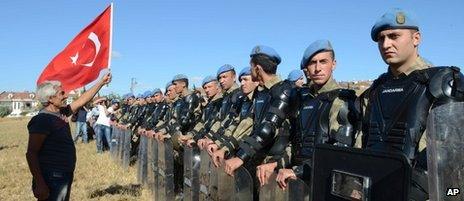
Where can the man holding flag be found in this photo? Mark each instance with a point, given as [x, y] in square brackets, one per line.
[51, 154]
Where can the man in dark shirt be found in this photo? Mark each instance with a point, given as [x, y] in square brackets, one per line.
[51, 154]
[81, 125]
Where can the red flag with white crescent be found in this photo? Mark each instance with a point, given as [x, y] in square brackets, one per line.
[84, 57]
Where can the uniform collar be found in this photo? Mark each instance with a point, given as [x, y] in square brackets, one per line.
[250, 95]
[175, 99]
[234, 86]
[330, 85]
[419, 64]
[268, 84]
[217, 96]
[185, 92]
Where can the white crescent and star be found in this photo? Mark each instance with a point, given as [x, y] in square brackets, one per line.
[94, 38]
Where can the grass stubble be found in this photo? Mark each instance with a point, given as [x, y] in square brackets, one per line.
[96, 176]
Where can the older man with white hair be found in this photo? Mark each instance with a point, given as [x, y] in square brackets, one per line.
[51, 154]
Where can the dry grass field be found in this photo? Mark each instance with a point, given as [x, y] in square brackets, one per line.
[96, 177]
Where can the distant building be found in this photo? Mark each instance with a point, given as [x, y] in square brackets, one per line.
[19, 102]
[358, 86]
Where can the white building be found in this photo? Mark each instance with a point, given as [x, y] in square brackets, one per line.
[19, 102]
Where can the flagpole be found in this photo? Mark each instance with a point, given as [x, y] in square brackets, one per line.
[111, 37]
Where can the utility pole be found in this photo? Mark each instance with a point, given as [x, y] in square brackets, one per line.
[133, 83]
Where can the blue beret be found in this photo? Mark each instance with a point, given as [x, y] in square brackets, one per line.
[313, 49]
[179, 77]
[147, 94]
[130, 95]
[155, 91]
[208, 79]
[168, 85]
[140, 96]
[265, 50]
[394, 19]
[295, 75]
[114, 101]
[245, 71]
[224, 68]
[125, 96]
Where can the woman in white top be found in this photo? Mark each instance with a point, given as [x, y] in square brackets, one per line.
[102, 125]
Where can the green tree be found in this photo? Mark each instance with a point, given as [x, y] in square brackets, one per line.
[4, 111]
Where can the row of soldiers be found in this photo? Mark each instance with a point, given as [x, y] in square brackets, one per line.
[269, 125]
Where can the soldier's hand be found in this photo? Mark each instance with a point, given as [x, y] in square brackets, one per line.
[41, 191]
[190, 143]
[162, 137]
[218, 157]
[150, 133]
[264, 171]
[283, 175]
[184, 138]
[232, 164]
[201, 143]
[212, 148]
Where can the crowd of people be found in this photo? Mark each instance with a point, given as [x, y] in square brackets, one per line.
[269, 125]
[95, 123]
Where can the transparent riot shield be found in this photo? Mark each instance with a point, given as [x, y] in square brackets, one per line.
[126, 149]
[205, 171]
[445, 152]
[191, 173]
[236, 188]
[165, 171]
[139, 160]
[343, 173]
[150, 177]
[114, 143]
[142, 160]
[213, 181]
[154, 168]
[120, 146]
[297, 190]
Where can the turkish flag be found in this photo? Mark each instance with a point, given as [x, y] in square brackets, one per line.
[85, 56]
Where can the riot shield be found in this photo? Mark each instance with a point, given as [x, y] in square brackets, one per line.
[121, 146]
[154, 168]
[165, 171]
[191, 173]
[343, 173]
[142, 160]
[297, 190]
[204, 178]
[445, 152]
[126, 149]
[213, 181]
[117, 149]
[114, 143]
[150, 177]
[239, 187]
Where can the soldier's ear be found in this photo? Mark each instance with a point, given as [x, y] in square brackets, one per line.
[416, 38]
[334, 65]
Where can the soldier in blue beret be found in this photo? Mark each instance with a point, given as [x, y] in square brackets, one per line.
[296, 77]
[226, 77]
[267, 51]
[230, 91]
[317, 117]
[224, 68]
[271, 104]
[244, 72]
[208, 79]
[399, 101]
[227, 142]
[210, 108]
